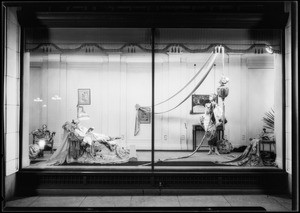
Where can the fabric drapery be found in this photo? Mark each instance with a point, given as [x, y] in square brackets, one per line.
[72, 149]
[188, 83]
[207, 67]
[250, 157]
[137, 118]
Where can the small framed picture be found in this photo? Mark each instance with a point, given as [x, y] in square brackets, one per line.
[84, 96]
[145, 116]
[198, 103]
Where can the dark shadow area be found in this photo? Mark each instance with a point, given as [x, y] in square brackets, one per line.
[140, 209]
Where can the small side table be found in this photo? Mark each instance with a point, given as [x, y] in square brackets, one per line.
[263, 142]
[199, 128]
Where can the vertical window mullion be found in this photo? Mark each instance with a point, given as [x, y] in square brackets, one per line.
[152, 104]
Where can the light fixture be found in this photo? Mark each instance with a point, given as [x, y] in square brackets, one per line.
[37, 99]
[44, 105]
[56, 98]
[269, 49]
[41, 143]
[81, 114]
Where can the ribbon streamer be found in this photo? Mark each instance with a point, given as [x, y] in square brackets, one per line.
[210, 61]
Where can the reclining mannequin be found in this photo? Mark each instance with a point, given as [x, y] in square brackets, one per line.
[82, 145]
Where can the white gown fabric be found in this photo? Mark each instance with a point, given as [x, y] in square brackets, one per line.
[89, 148]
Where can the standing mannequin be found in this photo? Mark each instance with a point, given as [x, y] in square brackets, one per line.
[210, 121]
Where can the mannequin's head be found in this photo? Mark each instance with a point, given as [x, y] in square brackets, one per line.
[208, 108]
[213, 97]
[44, 127]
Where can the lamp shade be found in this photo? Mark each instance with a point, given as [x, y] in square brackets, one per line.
[42, 144]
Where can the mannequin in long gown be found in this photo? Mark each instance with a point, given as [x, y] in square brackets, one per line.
[210, 121]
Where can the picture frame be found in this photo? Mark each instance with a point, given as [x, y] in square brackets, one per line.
[145, 116]
[84, 96]
[198, 103]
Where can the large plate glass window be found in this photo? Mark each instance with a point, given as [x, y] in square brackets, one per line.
[81, 88]
[217, 98]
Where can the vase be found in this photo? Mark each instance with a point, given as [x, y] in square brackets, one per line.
[223, 91]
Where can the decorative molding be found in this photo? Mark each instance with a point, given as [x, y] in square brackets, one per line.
[133, 48]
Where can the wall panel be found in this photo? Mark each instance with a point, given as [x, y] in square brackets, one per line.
[119, 82]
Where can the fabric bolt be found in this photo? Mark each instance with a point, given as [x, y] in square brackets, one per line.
[250, 157]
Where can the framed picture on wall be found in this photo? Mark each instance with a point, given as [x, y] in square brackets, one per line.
[145, 115]
[84, 96]
[198, 103]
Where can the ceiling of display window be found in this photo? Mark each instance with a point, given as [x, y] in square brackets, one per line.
[246, 27]
[154, 14]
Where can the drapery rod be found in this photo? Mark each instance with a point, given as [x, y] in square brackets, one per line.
[131, 48]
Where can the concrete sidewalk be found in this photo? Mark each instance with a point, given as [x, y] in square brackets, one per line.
[269, 202]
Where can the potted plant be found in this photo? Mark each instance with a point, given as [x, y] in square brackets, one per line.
[268, 120]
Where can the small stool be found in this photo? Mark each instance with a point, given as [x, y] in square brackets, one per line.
[262, 142]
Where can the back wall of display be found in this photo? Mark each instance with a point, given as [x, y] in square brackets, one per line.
[118, 82]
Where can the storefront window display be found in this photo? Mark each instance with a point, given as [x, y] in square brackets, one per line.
[88, 94]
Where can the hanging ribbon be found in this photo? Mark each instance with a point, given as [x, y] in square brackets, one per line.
[181, 157]
[223, 59]
[197, 86]
[210, 63]
[187, 83]
[223, 63]
[137, 119]
[205, 135]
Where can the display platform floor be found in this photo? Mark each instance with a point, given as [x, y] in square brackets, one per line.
[268, 202]
[199, 159]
